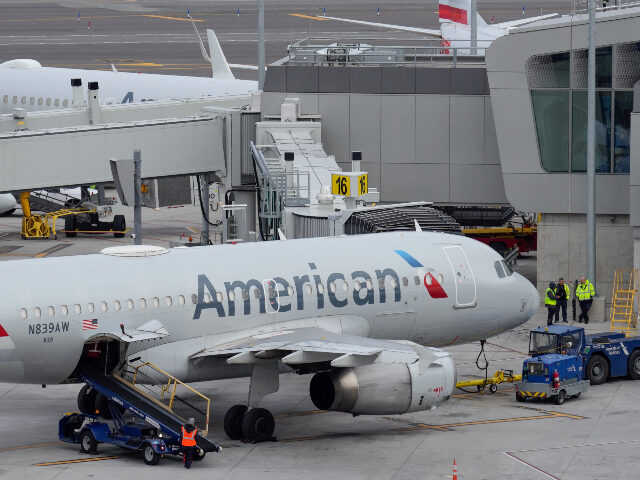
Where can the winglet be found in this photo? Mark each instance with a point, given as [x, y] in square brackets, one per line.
[219, 66]
[418, 227]
[113, 68]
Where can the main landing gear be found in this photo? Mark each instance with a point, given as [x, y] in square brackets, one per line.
[250, 423]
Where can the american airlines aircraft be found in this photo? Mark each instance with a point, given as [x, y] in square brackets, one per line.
[455, 28]
[25, 83]
[8, 203]
[361, 313]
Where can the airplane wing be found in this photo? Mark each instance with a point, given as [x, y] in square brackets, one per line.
[425, 31]
[524, 21]
[298, 346]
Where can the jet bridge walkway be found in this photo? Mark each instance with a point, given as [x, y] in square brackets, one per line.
[120, 392]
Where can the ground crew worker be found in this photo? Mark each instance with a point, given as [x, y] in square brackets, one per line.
[550, 301]
[188, 442]
[585, 293]
[563, 294]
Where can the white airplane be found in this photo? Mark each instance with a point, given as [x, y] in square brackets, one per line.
[25, 83]
[455, 28]
[8, 204]
[362, 313]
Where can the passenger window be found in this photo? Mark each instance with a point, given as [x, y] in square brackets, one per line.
[245, 294]
[168, 301]
[332, 287]
[65, 310]
[32, 100]
[181, 299]
[394, 283]
[232, 296]
[90, 307]
[498, 267]
[104, 307]
[23, 100]
[381, 283]
[257, 293]
[39, 100]
[320, 288]
[369, 284]
[356, 286]
[207, 298]
[405, 281]
[48, 102]
[65, 103]
[345, 286]
[15, 99]
[156, 302]
[194, 298]
[77, 308]
[219, 296]
[130, 304]
[5, 99]
[428, 279]
[51, 311]
[116, 305]
[143, 303]
[37, 312]
[507, 268]
[290, 290]
[440, 279]
[57, 102]
[23, 313]
[271, 291]
[416, 280]
[308, 290]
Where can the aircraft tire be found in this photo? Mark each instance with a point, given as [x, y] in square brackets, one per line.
[87, 399]
[258, 425]
[233, 421]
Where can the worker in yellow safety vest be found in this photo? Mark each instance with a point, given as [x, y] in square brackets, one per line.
[585, 293]
[188, 442]
[563, 294]
[550, 301]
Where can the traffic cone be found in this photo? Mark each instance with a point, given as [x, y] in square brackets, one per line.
[455, 470]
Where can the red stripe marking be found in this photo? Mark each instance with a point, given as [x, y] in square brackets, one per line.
[3, 332]
[457, 15]
[435, 289]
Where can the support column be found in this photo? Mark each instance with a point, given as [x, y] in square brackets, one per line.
[204, 198]
[137, 208]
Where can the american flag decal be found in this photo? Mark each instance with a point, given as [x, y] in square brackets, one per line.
[90, 324]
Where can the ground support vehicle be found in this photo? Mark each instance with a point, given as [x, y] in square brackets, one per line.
[156, 434]
[504, 239]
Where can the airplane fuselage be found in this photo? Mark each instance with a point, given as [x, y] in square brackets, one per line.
[431, 288]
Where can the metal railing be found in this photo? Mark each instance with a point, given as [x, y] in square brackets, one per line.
[581, 6]
[167, 391]
[354, 52]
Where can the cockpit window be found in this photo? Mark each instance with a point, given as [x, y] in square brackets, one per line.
[499, 269]
[507, 268]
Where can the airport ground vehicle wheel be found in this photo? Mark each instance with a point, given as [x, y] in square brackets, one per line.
[597, 370]
[87, 399]
[151, 457]
[199, 454]
[559, 398]
[493, 388]
[119, 226]
[88, 443]
[634, 365]
[520, 397]
[70, 226]
[577, 395]
[233, 421]
[258, 425]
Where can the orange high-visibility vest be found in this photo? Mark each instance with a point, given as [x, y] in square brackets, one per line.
[189, 438]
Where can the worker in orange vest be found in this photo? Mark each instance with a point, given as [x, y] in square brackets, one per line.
[188, 442]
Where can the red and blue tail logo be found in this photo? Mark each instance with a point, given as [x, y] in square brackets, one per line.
[430, 281]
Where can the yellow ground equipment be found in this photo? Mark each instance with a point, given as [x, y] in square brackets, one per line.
[501, 376]
[624, 298]
[42, 226]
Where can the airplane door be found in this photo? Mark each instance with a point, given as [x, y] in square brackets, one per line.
[272, 303]
[462, 276]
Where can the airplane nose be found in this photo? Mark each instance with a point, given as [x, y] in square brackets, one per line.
[532, 297]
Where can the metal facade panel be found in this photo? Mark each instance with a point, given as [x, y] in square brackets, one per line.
[467, 129]
[270, 102]
[308, 102]
[333, 80]
[374, 171]
[432, 129]
[612, 197]
[398, 129]
[477, 184]
[433, 80]
[398, 80]
[538, 192]
[364, 126]
[334, 110]
[491, 153]
[275, 79]
[469, 81]
[302, 79]
[365, 80]
[634, 198]
[404, 182]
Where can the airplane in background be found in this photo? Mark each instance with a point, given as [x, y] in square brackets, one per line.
[8, 204]
[25, 83]
[363, 314]
[455, 28]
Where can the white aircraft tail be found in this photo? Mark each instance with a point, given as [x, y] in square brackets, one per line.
[219, 67]
[457, 11]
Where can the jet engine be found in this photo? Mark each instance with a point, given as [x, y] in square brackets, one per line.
[386, 388]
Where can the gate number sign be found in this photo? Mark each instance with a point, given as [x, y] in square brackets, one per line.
[349, 184]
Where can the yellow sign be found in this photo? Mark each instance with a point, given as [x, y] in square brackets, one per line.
[350, 184]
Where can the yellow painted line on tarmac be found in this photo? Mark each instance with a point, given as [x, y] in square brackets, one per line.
[171, 18]
[77, 460]
[49, 251]
[320, 19]
[24, 447]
